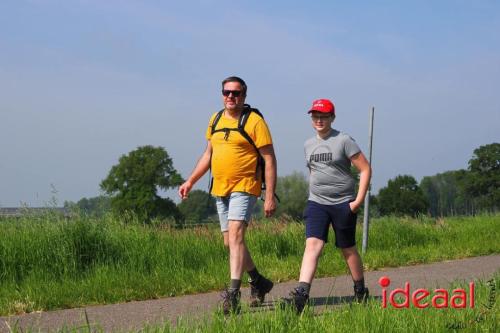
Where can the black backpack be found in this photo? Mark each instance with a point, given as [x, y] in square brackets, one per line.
[247, 110]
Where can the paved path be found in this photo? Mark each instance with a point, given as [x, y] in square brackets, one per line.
[325, 292]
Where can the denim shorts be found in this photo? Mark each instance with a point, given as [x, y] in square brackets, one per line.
[319, 217]
[237, 206]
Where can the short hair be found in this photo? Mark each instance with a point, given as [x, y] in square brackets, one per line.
[236, 79]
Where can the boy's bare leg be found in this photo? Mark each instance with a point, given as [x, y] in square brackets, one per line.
[312, 252]
[353, 260]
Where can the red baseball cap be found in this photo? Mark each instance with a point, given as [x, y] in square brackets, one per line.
[322, 105]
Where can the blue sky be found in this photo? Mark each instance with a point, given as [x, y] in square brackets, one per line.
[84, 82]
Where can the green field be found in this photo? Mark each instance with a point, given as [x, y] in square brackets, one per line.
[51, 263]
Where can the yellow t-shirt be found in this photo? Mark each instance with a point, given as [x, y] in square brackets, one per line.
[234, 161]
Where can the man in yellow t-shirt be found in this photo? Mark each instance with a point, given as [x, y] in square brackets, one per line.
[237, 184]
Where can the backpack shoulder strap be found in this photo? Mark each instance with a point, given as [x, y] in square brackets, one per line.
[242, 123]
[216, 120]
[247, 110]
[212, 130]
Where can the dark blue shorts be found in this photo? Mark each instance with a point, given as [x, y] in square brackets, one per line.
[319, 217]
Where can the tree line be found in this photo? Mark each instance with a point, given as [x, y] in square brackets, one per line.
[133, 185]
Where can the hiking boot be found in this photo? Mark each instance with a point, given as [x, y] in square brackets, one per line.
[298, 299]
[259, 289]
[361, 296]
[230, 301]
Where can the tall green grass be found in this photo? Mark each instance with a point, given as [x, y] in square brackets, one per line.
[49, 262]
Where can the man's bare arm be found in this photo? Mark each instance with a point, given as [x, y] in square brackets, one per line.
[267, 153]
[199, 170]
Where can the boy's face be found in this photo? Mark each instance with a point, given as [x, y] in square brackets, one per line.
[321, 122]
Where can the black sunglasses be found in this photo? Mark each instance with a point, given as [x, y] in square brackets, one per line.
[236, 93]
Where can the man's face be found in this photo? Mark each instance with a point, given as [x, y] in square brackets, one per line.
[321, 121]
[232, 102]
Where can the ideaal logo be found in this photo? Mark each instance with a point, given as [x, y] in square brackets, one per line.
[440, 298]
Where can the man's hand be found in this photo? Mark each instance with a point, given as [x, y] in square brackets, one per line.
[269, 206]
[184, 189]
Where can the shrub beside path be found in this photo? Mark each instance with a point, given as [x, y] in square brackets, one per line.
[325, 292]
